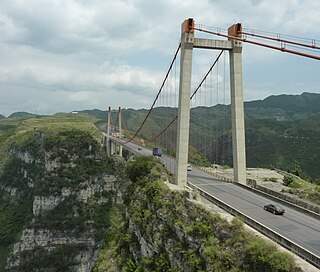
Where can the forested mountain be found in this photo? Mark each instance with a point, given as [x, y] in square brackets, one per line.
[280, 131]
[286, 107]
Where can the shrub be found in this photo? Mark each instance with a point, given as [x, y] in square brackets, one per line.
[263, 256]
[287, 180]
[295, 184]
[273, 179]
[140, 168]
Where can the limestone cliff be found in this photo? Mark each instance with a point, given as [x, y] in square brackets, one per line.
[61, 187]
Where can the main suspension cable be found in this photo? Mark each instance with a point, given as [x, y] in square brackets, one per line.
[283, 49]
[155, 100]
[278, 39]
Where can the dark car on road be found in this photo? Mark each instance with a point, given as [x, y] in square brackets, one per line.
[274, 209]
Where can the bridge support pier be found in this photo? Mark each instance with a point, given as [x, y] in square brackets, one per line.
[113, 148]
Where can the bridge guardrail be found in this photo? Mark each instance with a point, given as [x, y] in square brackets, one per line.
[296, 201]
[282, 201]
[265, 194]
[293, 247]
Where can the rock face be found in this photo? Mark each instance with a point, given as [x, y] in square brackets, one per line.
[11, 191]
[48, 240]
[70, 195]
[43, 204]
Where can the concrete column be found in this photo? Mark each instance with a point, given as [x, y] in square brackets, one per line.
[187, 40]
[108, 133]
[120, 131]
[237, 108]
[113, 148]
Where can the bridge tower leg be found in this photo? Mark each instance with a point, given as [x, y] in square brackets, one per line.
[108, 133]
[113, 148]
[187, 40]
[120, 131]
[237, 108]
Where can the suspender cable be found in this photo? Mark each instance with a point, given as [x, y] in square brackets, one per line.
[211, 114]
[193, 94]
[217, 117]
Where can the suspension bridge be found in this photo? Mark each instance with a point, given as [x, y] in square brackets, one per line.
[167, 125]
[172, 130]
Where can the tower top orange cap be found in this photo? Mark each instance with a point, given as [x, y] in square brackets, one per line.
[187, 26]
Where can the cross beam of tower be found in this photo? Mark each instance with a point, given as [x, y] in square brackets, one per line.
[188, 42]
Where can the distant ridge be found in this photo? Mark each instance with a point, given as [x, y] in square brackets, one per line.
[24, 114]
[279, 107]
[284, 107]
[306, 102]
[96, 113]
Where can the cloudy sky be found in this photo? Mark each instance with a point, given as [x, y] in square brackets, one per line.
[64, 55]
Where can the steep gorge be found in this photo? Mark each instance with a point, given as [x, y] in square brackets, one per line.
[56, 192]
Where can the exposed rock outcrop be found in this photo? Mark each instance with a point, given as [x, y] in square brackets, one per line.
[70, 193]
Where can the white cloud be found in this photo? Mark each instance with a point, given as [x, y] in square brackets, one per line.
[85, 54]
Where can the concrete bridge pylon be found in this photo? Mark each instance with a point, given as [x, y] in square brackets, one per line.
[112, 147]
[237, 108]
[120, 130]
[108, 143]
[188, 43]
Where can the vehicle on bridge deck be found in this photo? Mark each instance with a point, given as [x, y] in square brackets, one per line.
[274, 209]
[189, 167]
[157, 152]
[139, 148]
